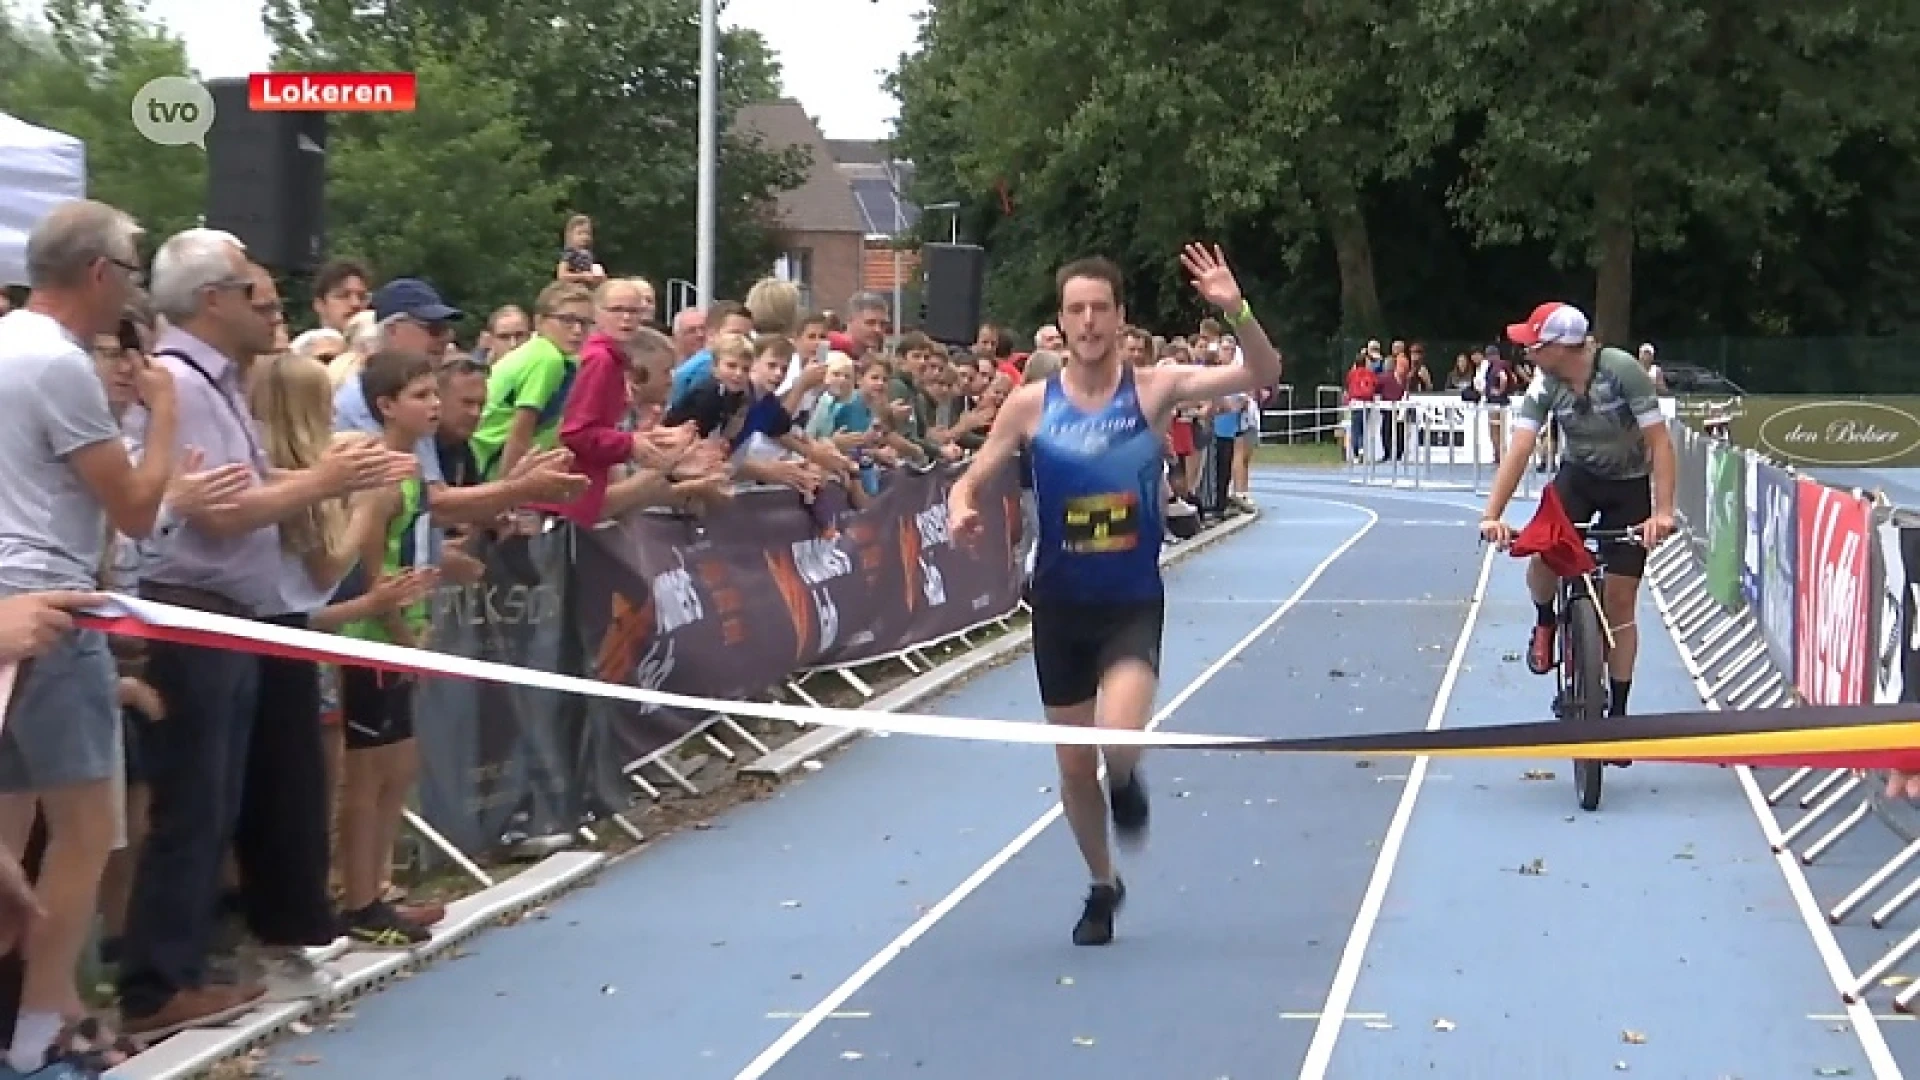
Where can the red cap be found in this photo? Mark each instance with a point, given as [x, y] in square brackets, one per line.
[1552, 323]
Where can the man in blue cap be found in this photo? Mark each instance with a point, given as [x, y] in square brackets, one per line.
[412, 317]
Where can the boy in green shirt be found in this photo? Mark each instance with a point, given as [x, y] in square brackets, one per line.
[382, 760]
[527, 389]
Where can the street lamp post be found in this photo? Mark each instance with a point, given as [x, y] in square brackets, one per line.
[709, 147]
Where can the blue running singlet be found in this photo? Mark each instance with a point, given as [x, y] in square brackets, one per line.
[1096, 488]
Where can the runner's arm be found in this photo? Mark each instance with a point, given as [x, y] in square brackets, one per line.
[1003, 443]
[1260, 366]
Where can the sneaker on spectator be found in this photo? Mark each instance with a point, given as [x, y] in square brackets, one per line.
[379, 926]
[425, 916]
[201, 1007]
[289, 974]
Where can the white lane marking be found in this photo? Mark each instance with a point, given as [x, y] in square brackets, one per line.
[1347, 975]
[841, 994]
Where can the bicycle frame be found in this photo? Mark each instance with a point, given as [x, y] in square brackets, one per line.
[1596, 541]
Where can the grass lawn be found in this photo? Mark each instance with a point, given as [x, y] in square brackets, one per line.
[1320, 454]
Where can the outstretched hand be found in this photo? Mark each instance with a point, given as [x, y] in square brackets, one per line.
[1211, 278]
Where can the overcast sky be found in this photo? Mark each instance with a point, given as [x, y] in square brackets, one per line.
[813, 39]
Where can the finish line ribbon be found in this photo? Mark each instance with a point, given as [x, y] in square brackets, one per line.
[1844, 736]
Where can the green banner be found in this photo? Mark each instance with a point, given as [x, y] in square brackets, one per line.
[1810, 430]
[1725, 520]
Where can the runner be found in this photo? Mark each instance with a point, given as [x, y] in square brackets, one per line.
[1612, 434]
[1094, 433]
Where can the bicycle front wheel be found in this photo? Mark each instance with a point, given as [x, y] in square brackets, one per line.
[1584, 668]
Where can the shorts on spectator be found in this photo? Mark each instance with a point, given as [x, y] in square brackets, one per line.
[377, 708]
[63, 724]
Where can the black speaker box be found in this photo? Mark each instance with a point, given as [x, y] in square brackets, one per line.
[955, 278]
[267, 179]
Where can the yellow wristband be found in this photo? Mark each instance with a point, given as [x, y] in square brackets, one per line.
[1241, 317]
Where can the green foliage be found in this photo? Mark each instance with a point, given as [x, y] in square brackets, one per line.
[527, 112]
[78, 76]
[608, 91]
[1433, 169]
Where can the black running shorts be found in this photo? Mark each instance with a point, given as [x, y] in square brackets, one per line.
[376, 707]
[1075, 644]
[1621, 504]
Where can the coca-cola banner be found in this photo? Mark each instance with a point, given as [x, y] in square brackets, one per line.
[727, 606]
[1776, 601]
[1834, 599]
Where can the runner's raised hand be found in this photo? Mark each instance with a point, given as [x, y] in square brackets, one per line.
[1211, 278]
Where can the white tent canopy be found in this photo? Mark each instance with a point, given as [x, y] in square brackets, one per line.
[39, 169]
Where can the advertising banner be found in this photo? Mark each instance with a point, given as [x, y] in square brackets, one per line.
[1808, 430]
[1833, 595]
[1890, 617]
[727, 606]
[1778, 603]
[1725, 525]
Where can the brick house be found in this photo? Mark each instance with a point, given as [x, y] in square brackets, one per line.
[837, 227]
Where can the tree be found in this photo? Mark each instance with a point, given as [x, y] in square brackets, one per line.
[1167, 126]
[455, 191]
[1628, 122]
[79, 76]
[610, 90]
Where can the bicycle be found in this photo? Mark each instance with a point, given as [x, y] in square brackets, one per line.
[1585, 640]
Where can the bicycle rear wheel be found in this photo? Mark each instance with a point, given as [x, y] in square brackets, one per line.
[1583, 669]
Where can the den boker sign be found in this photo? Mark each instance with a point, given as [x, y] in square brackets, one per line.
[1882, 431]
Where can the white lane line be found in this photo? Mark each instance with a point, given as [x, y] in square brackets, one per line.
[841, 994]
[1346, 976]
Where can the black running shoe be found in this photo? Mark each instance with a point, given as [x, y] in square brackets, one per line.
[1096, 919]
[379, 926]
[1130, 810]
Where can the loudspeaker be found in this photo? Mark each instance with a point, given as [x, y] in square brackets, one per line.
[267, 179]
[955, 278]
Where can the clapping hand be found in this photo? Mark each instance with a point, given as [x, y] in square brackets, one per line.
[193, 491]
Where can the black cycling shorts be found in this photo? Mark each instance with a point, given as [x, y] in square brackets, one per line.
[1075, 644]
[1621, 504]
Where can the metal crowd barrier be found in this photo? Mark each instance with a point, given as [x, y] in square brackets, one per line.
[1435, 443]
[1726, 655]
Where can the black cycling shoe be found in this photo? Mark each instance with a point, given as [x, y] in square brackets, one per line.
[1130, 810]
[1096, 919]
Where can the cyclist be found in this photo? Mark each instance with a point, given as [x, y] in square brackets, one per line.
[1612, 435]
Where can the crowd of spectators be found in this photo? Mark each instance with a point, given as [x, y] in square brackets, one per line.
[209, 822]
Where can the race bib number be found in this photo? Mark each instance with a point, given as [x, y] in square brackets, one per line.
[1102, 523]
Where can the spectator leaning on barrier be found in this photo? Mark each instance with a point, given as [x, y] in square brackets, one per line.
[413, 318]
[599, 399]
[69, 477]
[527, 388]
[723, 318]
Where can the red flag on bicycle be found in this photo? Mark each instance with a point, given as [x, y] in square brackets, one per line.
[1551, 536]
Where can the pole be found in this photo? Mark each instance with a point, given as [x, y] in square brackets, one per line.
[899, 225]
[709, 148]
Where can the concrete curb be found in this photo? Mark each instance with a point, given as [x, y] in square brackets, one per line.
[783, 760]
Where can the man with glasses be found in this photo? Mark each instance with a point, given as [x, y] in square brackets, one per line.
[1612, 434]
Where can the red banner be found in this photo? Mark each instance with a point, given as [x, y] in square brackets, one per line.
[1832, 659]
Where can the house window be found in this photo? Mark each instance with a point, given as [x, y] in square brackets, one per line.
[795, 265]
